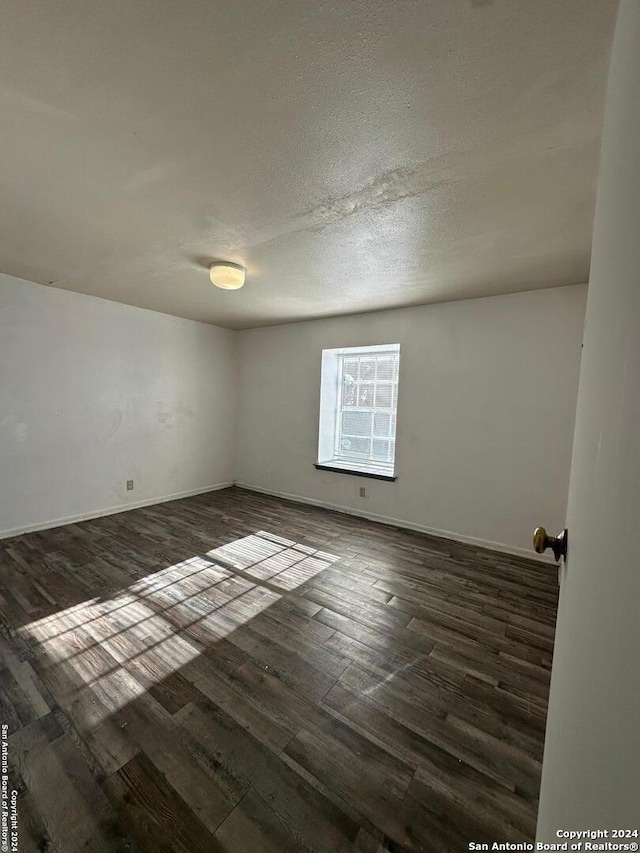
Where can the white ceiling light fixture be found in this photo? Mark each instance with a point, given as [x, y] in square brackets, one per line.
[226, 275]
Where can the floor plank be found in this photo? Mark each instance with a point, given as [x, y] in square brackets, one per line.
[234, 672]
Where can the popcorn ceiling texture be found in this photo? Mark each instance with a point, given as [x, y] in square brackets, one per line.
[354, 156]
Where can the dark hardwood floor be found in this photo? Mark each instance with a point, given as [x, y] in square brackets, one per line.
[233, 672]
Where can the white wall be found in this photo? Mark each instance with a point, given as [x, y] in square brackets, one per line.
[93, 393]
[591, 767]
[485, 415]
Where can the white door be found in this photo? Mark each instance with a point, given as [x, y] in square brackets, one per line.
[591, 768]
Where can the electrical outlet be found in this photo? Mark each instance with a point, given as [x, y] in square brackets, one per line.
[129, 485]
[363, 492]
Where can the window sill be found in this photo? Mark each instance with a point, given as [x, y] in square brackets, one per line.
[338, 468]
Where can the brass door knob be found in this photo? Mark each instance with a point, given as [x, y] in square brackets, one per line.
[542, 541]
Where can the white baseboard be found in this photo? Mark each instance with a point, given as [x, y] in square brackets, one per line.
[407, 525]
[381, 519]
[112, 510]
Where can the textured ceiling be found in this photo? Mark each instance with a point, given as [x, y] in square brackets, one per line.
[353, 155]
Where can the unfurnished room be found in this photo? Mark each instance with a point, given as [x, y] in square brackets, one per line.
[319, 417]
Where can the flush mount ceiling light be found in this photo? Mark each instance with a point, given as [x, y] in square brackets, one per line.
[226, 275]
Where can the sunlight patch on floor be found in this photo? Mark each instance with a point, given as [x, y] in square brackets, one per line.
[118, 647]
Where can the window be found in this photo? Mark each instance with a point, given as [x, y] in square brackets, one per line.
[358, 403]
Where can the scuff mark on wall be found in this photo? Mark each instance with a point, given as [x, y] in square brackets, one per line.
[114, 425]
[163, 415]
[183, 409]
[18, 430]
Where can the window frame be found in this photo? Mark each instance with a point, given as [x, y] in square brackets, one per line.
[332, 411]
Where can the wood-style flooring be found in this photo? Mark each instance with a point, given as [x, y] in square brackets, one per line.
[233, 672]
